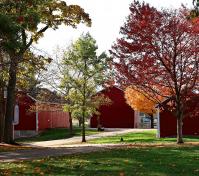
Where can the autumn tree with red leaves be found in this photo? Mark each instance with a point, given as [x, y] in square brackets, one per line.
[158, 53]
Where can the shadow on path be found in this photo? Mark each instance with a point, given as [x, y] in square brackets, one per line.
[37, 153]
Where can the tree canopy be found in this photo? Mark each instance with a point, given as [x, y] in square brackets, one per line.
[139, 101]
[21, 24]
[158, 53]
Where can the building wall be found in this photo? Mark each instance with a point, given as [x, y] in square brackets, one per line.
[53, 119]
[27, 119]
[116, 115]
[46, 119]
[168, 125]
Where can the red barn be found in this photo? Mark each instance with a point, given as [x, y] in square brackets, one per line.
[117, 115]
[46, 115]
[167, 122]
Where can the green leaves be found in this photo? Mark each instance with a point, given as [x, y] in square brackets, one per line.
[20, 20]
[84, 72]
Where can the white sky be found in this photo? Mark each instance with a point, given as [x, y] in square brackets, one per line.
[107, 18]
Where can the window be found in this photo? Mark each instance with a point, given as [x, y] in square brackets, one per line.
[142, 114]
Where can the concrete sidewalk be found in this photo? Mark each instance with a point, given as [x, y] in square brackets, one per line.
[73, 140]
[38, 153]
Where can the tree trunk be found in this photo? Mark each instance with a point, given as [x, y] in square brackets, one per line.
[179, 115]
[8, 130]
[152, 121]
[83, 128]
[179, 131]
[2, 114]
[99, 126]
[70, 123]
[80, 122]
[84, 102]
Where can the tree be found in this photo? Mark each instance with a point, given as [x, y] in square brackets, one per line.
[53, 76]
[158, 53]
[195, 12]
[30, 71]
[140, 102]
[3, 71]
[26, 78]
[84, 72]
[23, 23]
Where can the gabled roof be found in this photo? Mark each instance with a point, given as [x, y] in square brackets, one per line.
[114, 86]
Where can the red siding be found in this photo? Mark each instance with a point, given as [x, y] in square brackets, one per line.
[116, 115]
[46, 119]
[27, 119]
[56, 119]
[168, 125]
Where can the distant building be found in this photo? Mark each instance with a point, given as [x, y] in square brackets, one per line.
[32, 116]
[117, 115]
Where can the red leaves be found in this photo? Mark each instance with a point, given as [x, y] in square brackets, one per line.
[158, 52]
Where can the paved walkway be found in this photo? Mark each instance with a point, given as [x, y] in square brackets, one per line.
[60, 143]
[60, 151]
[64, 147]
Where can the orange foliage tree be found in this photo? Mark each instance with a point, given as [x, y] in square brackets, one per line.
[140, 102]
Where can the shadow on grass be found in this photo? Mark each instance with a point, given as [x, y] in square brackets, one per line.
[141, 137]
[54, 134]
[129, 161]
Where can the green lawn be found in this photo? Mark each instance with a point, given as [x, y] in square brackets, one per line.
[59, 133]
[139, 137]
[154, 161]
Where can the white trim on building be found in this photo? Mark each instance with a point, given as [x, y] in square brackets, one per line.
[158, 122]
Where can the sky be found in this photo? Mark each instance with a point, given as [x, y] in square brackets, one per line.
[107, 17]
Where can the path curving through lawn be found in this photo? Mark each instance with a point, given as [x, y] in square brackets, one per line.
[77, 139]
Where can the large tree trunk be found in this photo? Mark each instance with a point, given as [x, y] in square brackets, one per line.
[179, 115]
[179, 131]
[84, 102]
[8, 132]
[83, 128]
[2, 113]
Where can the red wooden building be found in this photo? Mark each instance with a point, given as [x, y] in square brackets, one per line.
[167, 122]
[42, 116]
[117, 115]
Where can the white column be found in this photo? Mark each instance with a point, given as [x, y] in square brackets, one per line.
[16, 119]
[136, 119]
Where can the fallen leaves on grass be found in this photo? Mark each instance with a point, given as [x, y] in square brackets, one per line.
[160, 145]
[8, 147]
[121, 174]
[38, 170]
[5, 172]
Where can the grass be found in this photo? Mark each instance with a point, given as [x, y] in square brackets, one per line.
[59, 133]
[154, 161]
[140, 137]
